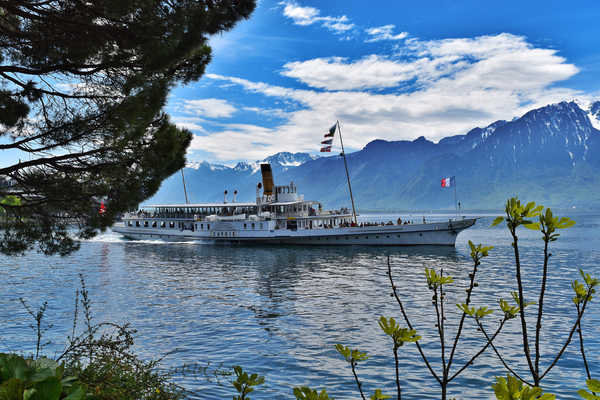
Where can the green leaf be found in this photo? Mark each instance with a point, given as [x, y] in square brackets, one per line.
[546, 396]
[497, 220]
[533, 226]
[49, 389]
[586, 395]
[470, 311]
[482, 312]
[306, 393]
[379, 396]
[593, 385]
[351, 355]
[77, 393]
[12, 389]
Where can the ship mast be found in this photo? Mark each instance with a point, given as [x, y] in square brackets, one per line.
[347, 174]
[184, 189]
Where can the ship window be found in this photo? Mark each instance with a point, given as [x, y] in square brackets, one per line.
[376, 236]
[163, 224]
[356, 237]
[253, 225]
[146, 223]
[202, 226]
[245, 226]
[207, 226]
[129, 223]
[154, 224]
[261, 225]
[171, 225]
[137, 223]
[387, 236]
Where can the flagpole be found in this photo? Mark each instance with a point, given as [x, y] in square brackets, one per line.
[455, 202]
[347, 174]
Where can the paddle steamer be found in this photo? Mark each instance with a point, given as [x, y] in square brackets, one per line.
[280, 215]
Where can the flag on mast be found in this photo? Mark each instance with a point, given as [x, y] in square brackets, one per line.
[331, 131]
[448, 182]
[328, 139]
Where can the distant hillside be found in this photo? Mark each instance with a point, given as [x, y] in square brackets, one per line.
[206, 182]
[551, 154]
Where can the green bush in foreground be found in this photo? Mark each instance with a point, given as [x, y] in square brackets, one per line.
[41, 379]
[97, 364]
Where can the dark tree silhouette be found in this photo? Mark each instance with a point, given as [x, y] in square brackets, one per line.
[82, 89]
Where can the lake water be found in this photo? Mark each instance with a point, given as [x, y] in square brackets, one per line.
[279, 311]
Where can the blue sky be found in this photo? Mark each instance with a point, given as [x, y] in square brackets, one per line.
[391, 70]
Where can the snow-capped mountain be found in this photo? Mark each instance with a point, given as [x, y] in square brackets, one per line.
[550, 155]
[594, 114]
[207, 182]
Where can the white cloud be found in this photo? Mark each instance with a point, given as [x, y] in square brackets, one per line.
[305, 16]
[497, 62]
[338, 25]
[209, 108]
[189, 125]
[336, 73]
[435, 89]
[300, 15]
[385, 32]
[270, 112]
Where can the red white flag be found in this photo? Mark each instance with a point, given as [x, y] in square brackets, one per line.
[326, 149]
[448, 182]
[328, 142]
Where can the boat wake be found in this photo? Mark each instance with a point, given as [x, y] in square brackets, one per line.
[112, 237]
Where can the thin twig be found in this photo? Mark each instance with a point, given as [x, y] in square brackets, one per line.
[538, 326]
[353, 365]
[489, 342]
[575, 325]
[408, 322]
[509, 369]
[522, 307]
[585, 363]
[464, 314]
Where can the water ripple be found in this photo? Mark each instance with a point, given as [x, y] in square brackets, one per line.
[279, 311]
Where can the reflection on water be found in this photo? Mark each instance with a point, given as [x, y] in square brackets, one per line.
[279, 310]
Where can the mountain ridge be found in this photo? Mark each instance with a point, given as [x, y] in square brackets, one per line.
[550, 154]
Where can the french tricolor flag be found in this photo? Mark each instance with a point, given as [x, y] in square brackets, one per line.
[448, 182]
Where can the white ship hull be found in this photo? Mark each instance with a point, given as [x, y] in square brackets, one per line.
[280, 216]
[434, 233]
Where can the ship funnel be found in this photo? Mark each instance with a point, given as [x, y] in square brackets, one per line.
[234, 195]
[225, 196]
[267, 178]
